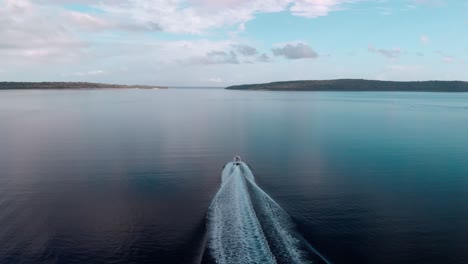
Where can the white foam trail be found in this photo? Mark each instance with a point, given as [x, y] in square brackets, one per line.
[245, 225]
[235, 235]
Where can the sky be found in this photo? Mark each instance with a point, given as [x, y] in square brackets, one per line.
[226, 42]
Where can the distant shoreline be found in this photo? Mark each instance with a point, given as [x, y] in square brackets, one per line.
[357, 85]
[70, 86]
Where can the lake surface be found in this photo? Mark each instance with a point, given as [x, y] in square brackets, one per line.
[127, 176]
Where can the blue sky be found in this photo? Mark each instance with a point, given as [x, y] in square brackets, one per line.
[224, 42]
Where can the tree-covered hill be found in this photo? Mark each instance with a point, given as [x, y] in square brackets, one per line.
[69, 85]
[358, 85]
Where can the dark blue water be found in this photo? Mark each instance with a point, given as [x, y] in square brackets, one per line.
[128, 176]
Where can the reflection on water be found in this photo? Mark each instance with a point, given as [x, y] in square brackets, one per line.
[128, 175]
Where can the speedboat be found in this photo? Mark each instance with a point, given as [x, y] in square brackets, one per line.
[237, 160]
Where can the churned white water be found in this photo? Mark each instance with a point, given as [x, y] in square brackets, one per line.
[245, 225]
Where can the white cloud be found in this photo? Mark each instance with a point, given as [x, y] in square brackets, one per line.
[448, 59]
[43, 30]
[198, 16]
[35, 33]
[215, 80]
[314, 8]
[425, 39]
[40, 39]
[88, 73]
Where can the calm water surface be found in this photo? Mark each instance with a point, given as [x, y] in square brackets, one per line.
[127, 176]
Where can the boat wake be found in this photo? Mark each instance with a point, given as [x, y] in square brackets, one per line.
[245, 225]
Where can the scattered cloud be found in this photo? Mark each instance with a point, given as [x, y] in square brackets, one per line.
[88, 73]
[389, 53]
[233, 54]
[446, 57]
[245, 50]
[217, 57]
[294, 51]
[264, 58]
[83, 74]
[39, 39]
[450, 58]
[215, 80]
[386, 11]
[425, 39]
[313, 9]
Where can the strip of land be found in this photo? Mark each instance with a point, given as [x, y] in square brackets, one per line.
[70, 85]
[358, 85]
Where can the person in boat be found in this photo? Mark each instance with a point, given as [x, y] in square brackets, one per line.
[237, 160]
